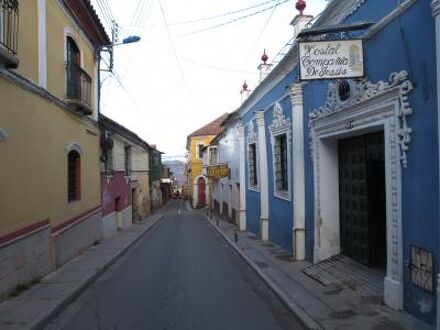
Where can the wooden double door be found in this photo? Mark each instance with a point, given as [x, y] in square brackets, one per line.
[362, 199]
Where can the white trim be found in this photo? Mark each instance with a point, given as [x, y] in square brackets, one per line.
[252, 138]
[242, 181]
[381, 106]
[74, 146]
[69, 33]
[299, 209]
[435, 6]
[42, 44]
[196, 190]
[264, 179]
[281, 125]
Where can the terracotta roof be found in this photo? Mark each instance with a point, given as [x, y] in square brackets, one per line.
[213, 128]
[88, 19]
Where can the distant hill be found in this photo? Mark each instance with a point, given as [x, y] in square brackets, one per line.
[177, 167]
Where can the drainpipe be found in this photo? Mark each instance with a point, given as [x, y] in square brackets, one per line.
[264, 184]
[435, 5]
[299, 222]
[242, 206]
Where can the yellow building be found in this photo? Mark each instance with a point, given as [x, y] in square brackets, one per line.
[195, 143]
[50, 203]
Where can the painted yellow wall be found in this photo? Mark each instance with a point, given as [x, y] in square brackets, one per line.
[194, 163]
[28, 40]
[33, 171]
[60, 25]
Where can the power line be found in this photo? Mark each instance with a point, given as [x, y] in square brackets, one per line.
[223, 24]
[261, 32]
[218, 15]
[172, 45]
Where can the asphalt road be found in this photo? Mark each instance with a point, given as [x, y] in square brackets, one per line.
[181, 275]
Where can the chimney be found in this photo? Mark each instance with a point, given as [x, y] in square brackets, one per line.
[264, 67]
[244, 92]
[300, 21]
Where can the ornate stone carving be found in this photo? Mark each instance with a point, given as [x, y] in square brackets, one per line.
[363, 90]
[280, 123]
[355, 5]
[251, 135]
[296, 94]
[435, 6]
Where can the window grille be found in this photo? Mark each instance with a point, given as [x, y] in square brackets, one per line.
[73, 176]
[252, 161]
[127, 160]
[109, 161]
[280, 154]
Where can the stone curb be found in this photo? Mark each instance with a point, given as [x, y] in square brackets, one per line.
[305, 319]
[78, 291]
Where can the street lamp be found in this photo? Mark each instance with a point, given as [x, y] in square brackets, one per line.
[109, 49]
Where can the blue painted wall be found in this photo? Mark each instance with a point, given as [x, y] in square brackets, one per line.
[405, 44]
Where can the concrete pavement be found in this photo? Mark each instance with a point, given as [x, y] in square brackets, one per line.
[318, 307]
[180, 276]
[36, 307]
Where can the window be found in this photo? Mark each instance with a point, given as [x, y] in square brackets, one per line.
[213, 155]
[200, 151]
[253, 178]
[127, 160]
[78, 82]
[109, 161]
[280, 155]
[73, 176]
[73, 81]
[281, 138]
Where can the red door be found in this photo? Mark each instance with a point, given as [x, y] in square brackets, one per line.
[202, 195]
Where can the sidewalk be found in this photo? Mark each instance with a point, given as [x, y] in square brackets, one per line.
[316, 305]
[36, 307]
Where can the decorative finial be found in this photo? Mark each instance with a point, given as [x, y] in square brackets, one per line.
[300, 6]
[264, 57]
[245, 86]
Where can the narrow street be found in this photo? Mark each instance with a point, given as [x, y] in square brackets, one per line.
[181, 275]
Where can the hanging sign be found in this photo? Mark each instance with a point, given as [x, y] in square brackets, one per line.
[331, 59]
[217, 171]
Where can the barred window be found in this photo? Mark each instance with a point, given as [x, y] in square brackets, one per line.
[280, 154]
[252, 161]
[109, 161]
[127, 160]
[200, 151]
[73, 176]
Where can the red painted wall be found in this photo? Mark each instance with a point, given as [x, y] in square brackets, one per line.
[111, 189]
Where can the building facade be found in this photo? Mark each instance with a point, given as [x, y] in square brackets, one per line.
[226, 196]
[350, 166]
[49, 135]
[124, 177]
[196, 142]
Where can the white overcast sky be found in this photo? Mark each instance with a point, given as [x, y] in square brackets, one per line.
[173, 83]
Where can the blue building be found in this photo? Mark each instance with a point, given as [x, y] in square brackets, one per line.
[351, 166]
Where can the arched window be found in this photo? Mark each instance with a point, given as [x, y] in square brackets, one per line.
[73, 66]
[73, 176]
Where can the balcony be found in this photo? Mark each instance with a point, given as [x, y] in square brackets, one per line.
[78, 89]
[9, 15]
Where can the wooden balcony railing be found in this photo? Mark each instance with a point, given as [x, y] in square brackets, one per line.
[79, 88]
